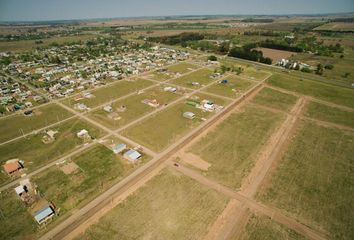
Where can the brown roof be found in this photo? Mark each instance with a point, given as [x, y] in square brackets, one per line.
[11, 167]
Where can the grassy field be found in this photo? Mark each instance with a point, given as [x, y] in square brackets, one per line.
[202, 76]
[98, 169]
[313, 181]
[181, 68]
[14, 126]
[166, 127]
[338, 95]
[16, 222]
[27, 45]
[233, 89]
[329, 114]
[111, 92]
[263, 228]
[232, 147]
[160, 76]
[171, 206]
[336, 26]
[35, 153]
[134, 107]
[272, 98]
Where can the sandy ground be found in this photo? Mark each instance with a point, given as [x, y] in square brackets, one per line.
[194, 160]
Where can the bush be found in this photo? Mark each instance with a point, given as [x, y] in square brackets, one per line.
[329, 66]
[212, 58]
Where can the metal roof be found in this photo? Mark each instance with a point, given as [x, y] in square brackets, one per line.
[132, 154]
[43, 213]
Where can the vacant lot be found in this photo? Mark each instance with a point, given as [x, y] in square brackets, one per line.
[182, 68]
[111, 92]
[234, 88]
[17, 125]
[202, 77]
[272, 98]
[232, 147]
[16, 222]
[330, 114]
[170, 206]
[336, 26]
[275, 54]
[98, 169]
[313, 181]
[255, 74]
[133, 107]
[166, 127]
[35, 153]
[263, 228]
[339, 95]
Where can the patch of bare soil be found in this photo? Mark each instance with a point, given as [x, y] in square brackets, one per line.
[195, 161]
[69, 168]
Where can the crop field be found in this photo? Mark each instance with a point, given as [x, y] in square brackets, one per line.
[16, 222]
[336, 26]
[261, 228]
[313, 181]
[133, 107]
[166, 127]
[233, 89]
[17, 125]
[272, 98]
[98, 168]
[170, 206]
[232, 147]
[111, 92]
[182, 68]
[330, 114]
[276, 55]
[35, 153]
[202, 77]
[338, 95]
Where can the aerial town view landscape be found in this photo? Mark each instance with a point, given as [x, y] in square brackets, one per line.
[177, 120]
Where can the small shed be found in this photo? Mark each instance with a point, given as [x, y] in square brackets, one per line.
[189, 115]
[12, 166]
[119, 148]
[43, 214]
[132, 155]
[82, 133]
[20, 189]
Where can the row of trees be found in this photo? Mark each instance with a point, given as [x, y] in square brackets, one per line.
[249, 53]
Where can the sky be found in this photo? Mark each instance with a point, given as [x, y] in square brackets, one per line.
[34, 10]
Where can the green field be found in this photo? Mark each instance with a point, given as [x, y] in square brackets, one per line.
[338, 95]
[35, 153]
[98, 169]
[166, 127]
[313, 181]
[160, 76]
[15, 126]
[16, 222]
[171, 206]
[329, 114]
[181, 68]
[111, 92]
[202, 76]
[134, 107]
[233, 89]
[263, 228]
[272, 98]
[232, 147]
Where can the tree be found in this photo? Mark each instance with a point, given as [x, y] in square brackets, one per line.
[212, 58]
[319, 69]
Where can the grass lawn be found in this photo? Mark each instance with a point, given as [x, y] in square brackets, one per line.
[134, 107]
[10, 127]
[98, 169]
[111, 92]
[182, 68]
[255, 74]
[233, 89]
[232, 147]
[170, 206]
[263, 228]
[16, 222]
[35, 153]
[166, 127]
[338, 95]
[202, 76]
[314, 180]
[272, 98]
[329, 114]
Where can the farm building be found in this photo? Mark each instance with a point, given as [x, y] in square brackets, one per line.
[83, 134]
[119, 148]
[108, 108]
[43, 214]
[132, 155]
[12, 166]
[189, 115]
